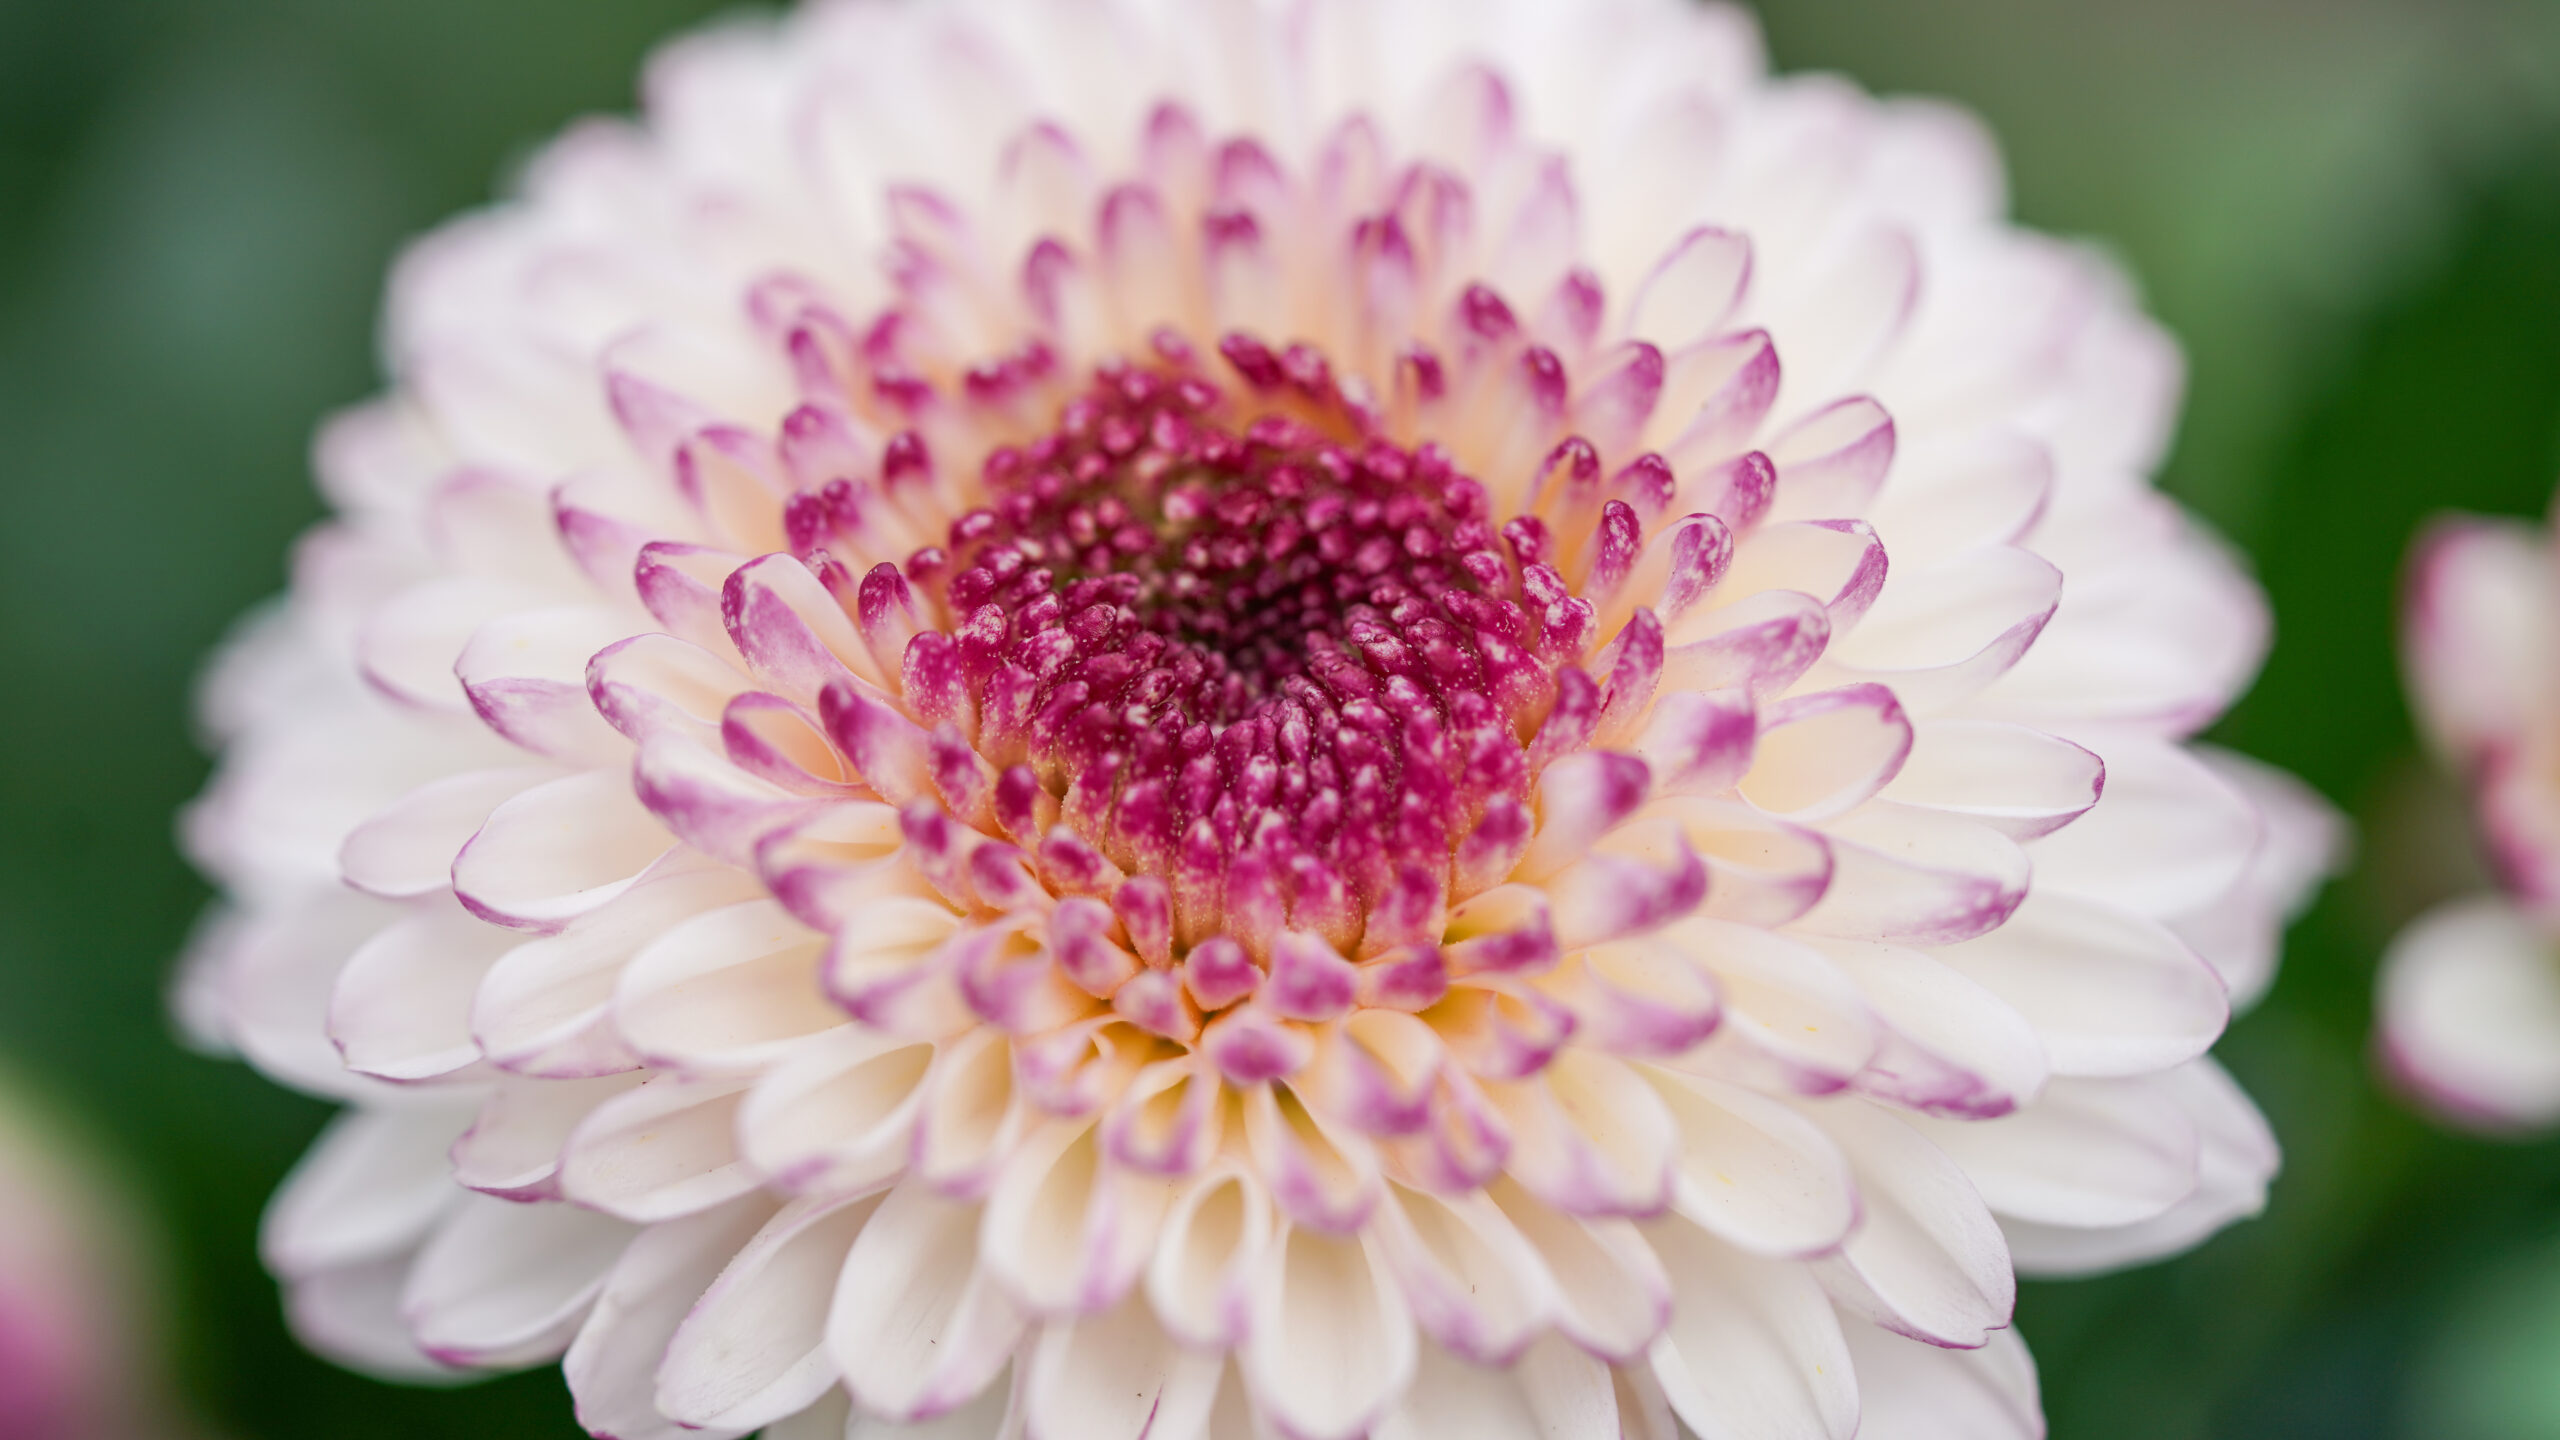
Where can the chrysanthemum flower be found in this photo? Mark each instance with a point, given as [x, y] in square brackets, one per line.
[2470, 992]
[1348, 718]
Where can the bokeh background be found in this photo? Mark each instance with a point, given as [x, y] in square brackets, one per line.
[2348, 209]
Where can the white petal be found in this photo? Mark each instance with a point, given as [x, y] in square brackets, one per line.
[1474, 1285]
[1117, 1376]
[828, 1419]
[402, 1007]
[1939, 637]
[997, 1414]
[1588, 1136]
[1909, 876]
[1321, 1173]
[1759, 1175]
[2477, 633]
[409, 643]
[370, 1187]
[408, 849]
[1753, 1351]
[505, 1284]
[2169, 834]
[2304, 841]
[351, 1314]
[2110, 992]
[1951, 1046]
[2236, 1158]
[557, 851]
[1824, 754]
[665, 1149]
[2016, 779]
[917, 1324]
[543, 1009]
[1611, 1295]
[1927, 1261]
[1792, 1019]
[612, 1367]
[725, 992]
[2091, 1153]
[1555, 1392]
[1910, 1390]
[754, 1349]
[512, 1149]
[1332, 1344]
[839, 1116]
[526, 674]
[272, 980]
[2470, 998]
[1207, 1256]
[1066, 1230]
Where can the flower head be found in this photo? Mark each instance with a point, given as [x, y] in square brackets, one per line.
[2470, 992]
[1325, 719]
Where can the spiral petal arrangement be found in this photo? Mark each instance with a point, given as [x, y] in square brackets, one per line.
[1095, 718]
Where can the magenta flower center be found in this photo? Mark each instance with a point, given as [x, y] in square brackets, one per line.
[1279, 672]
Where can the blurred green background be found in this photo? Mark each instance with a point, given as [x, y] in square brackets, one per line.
[2348, 209]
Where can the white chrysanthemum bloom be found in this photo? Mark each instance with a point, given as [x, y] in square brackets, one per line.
[1106, 717]
[2470, 992]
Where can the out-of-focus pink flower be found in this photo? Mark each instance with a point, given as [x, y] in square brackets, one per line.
[2470, 993]
[76, 1359]
[1324, 719]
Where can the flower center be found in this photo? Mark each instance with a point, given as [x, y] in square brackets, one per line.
[1262, 654]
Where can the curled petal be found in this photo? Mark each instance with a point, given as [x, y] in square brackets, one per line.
[1918, 878]
[1910, 1390]
[1928, 1260]
[542, 1010]
[1475, 1286]
[504, 1284]
[726, 992]
[525, 675]
[1589, 1137]
[1553, 1390]
[2236, 1157]
[1761, 870]
[558, 851]
[660, 1150]
[754, 1349]
[839, 1116]
[1822, 755]
[2108, 991]
[1098, 1377]
[1322, 1176]
[1612, 1296]
[1208, 1256]
[612, 1365]
[1753, 1347]
[917, 1325]
[1333, 1341]
[1693, 289]
[1792, 1018]
[1067, 1231]
[1949, 1046]
[512, 1149]
[401, 1009]
[1758, 1174]
[2019, 781]
[1941, 636]
[407, 850]
[651, 683]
